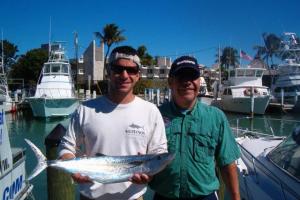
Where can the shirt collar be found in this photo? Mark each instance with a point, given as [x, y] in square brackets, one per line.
[183, 111]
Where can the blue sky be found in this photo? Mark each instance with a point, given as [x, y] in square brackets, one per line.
[165, 27]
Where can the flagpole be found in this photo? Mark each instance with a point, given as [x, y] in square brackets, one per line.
[2, 52]
[240, 58]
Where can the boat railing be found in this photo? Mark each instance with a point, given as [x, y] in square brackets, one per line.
[258, 165]
[54, 92]
[238, 130]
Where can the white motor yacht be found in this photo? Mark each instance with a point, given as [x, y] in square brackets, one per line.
[286, 87]
[243, 92]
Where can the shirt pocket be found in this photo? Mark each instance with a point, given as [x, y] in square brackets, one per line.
[203, 148]
[173, 132]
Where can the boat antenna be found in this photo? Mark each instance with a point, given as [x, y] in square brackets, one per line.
[76, 57]
[49, 43]
[2, 52]
[219, 62]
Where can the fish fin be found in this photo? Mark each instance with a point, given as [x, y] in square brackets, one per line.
[95, 185]
[42, 160]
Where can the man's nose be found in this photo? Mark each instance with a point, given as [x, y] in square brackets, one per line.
[186, 82]
[124, 74]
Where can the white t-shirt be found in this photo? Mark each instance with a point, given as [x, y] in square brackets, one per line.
[103, 127]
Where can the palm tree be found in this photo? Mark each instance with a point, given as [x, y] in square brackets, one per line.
[9, 52]
[110, 35]
[229, 57]
[272, 45]
[146, 58]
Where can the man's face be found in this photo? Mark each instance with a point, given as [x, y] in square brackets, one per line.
[185, 88]
[124, 74]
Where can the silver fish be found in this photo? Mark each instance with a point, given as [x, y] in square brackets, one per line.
[105, 169]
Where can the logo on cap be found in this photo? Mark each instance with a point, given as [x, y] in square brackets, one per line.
[186, 61]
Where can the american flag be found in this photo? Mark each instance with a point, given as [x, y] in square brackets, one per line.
[245, 56]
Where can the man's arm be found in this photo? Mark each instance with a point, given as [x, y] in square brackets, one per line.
[230, 177]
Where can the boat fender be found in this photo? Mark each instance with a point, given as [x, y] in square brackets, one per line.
[247, 92]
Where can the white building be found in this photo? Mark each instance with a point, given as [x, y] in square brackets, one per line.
[160, 71]
[93, 58]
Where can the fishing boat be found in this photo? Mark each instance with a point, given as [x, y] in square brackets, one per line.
[286, 87]
[203, 88]
[269, 167]
[9, 105]
[243, 92]
[55, 91]
[13, 182]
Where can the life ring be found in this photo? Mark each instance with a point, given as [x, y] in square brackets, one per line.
[247, 92]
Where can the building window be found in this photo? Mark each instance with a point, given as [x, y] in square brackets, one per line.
[162, 71]
[81, 71]
[149, 71]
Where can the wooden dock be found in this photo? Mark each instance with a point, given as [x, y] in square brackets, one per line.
[280, 107]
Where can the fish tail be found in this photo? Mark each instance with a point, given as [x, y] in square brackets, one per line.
[42, 160]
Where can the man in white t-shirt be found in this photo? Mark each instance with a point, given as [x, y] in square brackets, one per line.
[118, 123]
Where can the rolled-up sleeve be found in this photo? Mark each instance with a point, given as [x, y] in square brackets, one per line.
[228, 150]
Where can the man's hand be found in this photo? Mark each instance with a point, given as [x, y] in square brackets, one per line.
[78, 178]
[141, 178]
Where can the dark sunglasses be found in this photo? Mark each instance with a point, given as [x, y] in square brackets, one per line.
[186, 75]
[118, 69]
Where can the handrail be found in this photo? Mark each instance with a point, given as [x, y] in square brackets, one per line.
[54, 92]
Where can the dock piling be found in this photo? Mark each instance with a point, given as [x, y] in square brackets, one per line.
[59, 183]
[252, 102]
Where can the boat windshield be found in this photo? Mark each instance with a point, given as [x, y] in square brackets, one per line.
[259, 73]
[51, 69]
[250, 72]
[287, 155]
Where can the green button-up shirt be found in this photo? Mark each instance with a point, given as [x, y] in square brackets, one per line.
[200, 138]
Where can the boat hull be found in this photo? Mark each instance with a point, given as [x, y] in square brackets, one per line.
[50, 107]
[243, 104]
[13, 185]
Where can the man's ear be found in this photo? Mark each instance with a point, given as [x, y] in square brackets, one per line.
[170, 79]
[108, 71]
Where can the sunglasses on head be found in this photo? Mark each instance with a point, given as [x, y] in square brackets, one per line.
[118, 69]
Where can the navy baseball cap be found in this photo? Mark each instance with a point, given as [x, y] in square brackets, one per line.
[185, 63]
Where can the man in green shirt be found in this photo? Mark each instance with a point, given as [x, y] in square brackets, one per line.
[201, 138]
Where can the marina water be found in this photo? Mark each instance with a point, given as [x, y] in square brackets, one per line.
[22, 125]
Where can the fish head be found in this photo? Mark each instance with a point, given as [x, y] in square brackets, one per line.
[159, 162]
